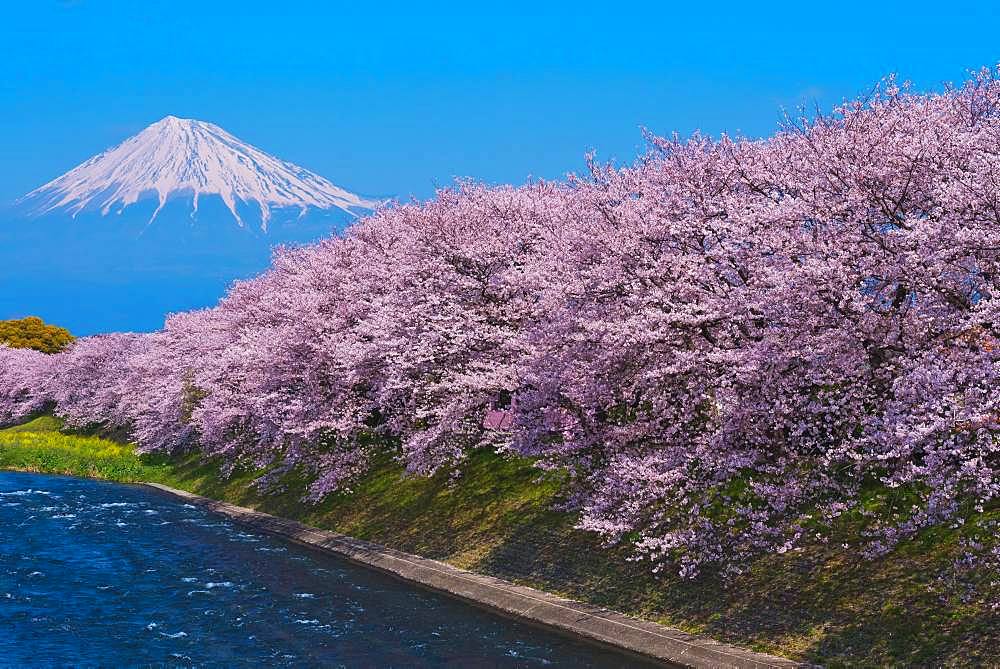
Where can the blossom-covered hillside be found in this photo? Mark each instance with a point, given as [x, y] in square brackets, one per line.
[732, 346]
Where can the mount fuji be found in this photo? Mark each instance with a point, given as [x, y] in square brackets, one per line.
[162, 222]
[177, 157]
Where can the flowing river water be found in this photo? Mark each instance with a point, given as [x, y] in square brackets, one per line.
[100, 574]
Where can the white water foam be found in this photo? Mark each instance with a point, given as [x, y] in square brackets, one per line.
[177, 635]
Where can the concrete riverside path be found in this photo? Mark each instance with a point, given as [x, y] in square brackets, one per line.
[583, 621]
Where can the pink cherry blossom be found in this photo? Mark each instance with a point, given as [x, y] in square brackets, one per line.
[726, 345]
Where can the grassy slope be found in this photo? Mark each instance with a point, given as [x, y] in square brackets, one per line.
[821, 604]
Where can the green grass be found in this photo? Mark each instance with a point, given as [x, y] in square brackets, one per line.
[821, 604]
[39, 424]
[39, 446]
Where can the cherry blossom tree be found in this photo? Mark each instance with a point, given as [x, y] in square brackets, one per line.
[731, 346]
[24, 382]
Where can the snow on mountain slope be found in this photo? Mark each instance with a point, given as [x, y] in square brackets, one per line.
[184, 157]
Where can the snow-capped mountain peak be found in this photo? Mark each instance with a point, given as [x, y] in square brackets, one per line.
[184, 157]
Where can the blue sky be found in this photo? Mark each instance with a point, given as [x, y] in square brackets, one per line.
[390, 99]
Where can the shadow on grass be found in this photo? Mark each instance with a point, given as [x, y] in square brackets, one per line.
[822, 604]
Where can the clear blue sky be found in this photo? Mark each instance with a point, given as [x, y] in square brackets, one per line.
[389, 99]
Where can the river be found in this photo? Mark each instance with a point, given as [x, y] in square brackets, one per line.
[101, 574]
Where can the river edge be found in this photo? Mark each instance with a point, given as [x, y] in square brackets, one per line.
[582, 621]
[501, 518]
[643, 639]
[100, 574]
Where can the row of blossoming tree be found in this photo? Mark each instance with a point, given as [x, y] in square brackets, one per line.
[731, 346]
